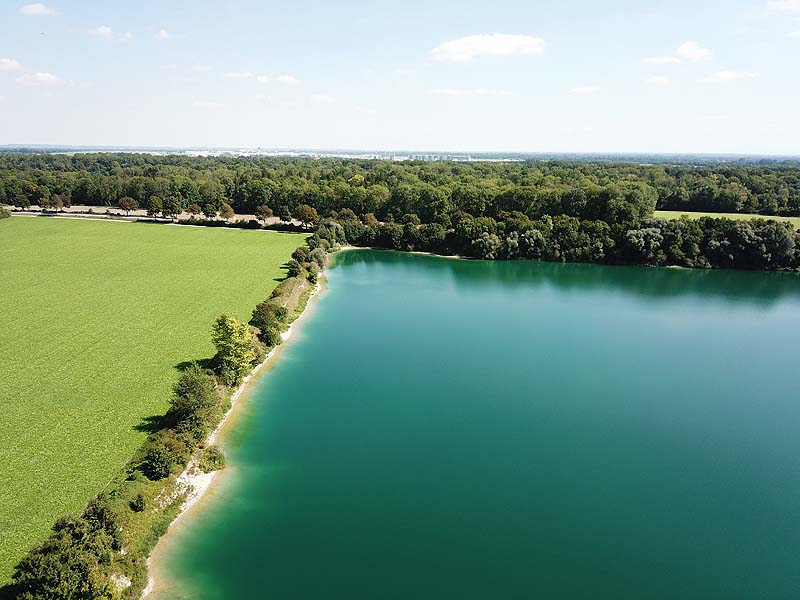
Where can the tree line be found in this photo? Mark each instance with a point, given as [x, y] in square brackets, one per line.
[434, 191]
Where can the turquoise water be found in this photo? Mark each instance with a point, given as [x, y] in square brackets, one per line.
[461, 429]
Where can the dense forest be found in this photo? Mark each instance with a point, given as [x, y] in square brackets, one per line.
[430, 190]
[547, 210]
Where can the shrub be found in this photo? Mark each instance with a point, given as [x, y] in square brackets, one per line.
[165, 452]
[138, 503]
[4, 212]
[212, 460]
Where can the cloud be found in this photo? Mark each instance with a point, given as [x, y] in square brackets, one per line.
[36, 10]
[784, 5]
[41, 79]
[201, 68]
[460, 92]
[584, 90]
[659, 80]
[105, 33]
[323, 98]
[499, 44]
[661, 60]
[794, 34]
[726, 76]
[693, 52]
[169, 67]
[9, 64]
[288, 79]
[263, 79]
[207, 104]
[239, 75]
[162, 35]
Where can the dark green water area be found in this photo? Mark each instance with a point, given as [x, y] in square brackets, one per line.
[445, 429]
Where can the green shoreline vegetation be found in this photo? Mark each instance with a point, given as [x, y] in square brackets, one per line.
[102, 553]
[535, 210]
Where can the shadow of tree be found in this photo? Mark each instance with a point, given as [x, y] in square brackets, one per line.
[152, 424]
[203, 363]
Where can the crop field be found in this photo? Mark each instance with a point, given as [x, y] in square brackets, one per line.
[676, 214]
[94, 318]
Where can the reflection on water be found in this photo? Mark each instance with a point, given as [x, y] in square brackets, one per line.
[750, 287]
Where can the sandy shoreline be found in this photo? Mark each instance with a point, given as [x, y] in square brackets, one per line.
[193, 479]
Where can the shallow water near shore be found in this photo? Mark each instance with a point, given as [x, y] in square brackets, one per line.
[466, 429]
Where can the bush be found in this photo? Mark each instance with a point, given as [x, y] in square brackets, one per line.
[138, 503]
[73, 562]
[165, 452]
[268, 315]
[212, 460]
[4, 212]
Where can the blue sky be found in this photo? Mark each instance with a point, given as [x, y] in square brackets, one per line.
[583, 76]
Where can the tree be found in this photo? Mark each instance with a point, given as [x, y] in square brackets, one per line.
[226, 211]
[209, 211]
[263, 213]
[284, 214]
[128, 204]
[154, 206]
[293, 268]
[172, 207]
[234, 342]
[194, 209]
[307, 215]
[194, 401]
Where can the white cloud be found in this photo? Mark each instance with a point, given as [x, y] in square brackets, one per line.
[239, 75]
[9, 64]
[206, 104]
[794, 34]
[288, 79]
[41, 79]
[169, 67]
[461, 92]
[323, 98]
[693, 52]
[104, 32]
[726, 76]
[659, 80]
[584, 90]
[784, 5]
[499, 44]
[36, 10]
[661, 60]
[201, 68]
[162, 35]
[263, 79]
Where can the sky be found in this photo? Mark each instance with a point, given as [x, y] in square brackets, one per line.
[712, 76]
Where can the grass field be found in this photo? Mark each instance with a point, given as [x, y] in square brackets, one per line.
[675, 214]
[94, 318]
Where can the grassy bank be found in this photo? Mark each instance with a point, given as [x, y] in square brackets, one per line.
[96, 316]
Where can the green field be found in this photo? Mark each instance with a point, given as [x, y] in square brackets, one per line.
[676, 214]
[94, 318]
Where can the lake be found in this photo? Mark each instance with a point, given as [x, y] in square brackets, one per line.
[463, 429]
